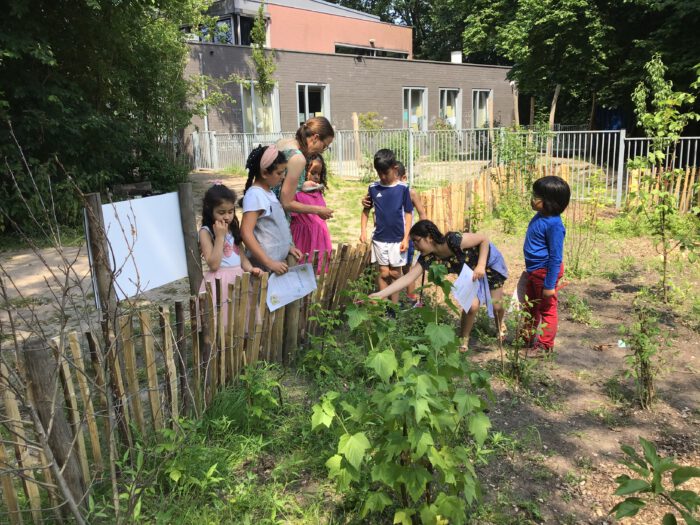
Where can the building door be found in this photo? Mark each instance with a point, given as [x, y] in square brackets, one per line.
[313, 100]
[415, 108]
[480, 108]
[451, 107]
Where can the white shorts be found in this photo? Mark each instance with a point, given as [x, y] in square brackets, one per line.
[388, 254]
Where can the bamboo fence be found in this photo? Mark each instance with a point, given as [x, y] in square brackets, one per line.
[157, 367]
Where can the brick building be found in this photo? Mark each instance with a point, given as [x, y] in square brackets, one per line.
[334, 61]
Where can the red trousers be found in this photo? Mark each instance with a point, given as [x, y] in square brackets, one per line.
[542, 309]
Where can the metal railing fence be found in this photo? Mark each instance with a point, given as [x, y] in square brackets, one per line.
[590, 160]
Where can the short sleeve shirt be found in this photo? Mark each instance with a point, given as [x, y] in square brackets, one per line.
[391, 203]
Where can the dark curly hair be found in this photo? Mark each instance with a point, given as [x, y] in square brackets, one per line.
[253, 164]
[426, 228]
[215, 196]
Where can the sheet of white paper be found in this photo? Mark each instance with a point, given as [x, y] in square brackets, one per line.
[298, 282]
[146, 243]
[464, 288]
[518, 297]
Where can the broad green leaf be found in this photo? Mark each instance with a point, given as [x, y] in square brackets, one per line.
[356, 316]
[439, 334]
[375, 502]
[421, 407]
[420, 441]
[635, 457]
[353, 447]
[450, 507]
[669, 519]
[428, 514]
[689, 519]
[628, 507]
[416, 479]
[466, 402]
[404, 516]
[683, 474]
[424, 385]
[630, 486]
[384, 364]
[650, 453]
[387, 473]
[321, 417]
[688, 498]
[175, 475]
[479, 426]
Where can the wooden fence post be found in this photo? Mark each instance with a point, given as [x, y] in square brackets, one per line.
[189, 230]
[45, 383]
[101, 267]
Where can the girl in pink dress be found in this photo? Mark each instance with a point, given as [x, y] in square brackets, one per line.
[309, 231]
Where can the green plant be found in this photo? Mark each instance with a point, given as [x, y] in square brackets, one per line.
[370, 121]
[514, 210]
[643, 338]
[263, 60]
[475, 214]
[663, 122]
[652, 470]
[395, 448]
[579, 310]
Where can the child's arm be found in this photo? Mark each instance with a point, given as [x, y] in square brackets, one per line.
[469, 240]
[248, 266]
[295, 167]
[554, 237]
[400, 283]
[213, 249]
[407, 220]
[418, 205]
[363, 225]
[250, 218]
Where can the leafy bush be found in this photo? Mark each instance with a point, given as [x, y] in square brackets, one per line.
[396, 447]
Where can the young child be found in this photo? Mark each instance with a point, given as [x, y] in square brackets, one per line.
[454, 250]
[264, 227]
[418, 207]
[544, 255]
[392, 216]
[309, 231]
[220, 241]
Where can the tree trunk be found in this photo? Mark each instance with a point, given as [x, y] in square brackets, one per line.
[591, 119]
[516, 110]
[553, 107]
[532, 111]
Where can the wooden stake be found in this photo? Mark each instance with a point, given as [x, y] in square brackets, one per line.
[152, 370]
[170, 373]
[126, 337]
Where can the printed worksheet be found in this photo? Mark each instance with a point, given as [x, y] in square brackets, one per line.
[298, 282]
[464, 288]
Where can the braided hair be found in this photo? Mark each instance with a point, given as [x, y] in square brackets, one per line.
[426, 228]
[215, 196]
[314, 126]
[253, 165]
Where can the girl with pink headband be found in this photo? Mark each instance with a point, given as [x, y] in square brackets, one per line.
[264, 228]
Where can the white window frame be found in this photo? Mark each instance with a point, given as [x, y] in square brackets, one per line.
[489, 105]
[424, 103]
[326, 98]
[275, 101]
[458, 103]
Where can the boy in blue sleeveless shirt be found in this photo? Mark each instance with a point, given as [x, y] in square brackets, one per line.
[393, 210]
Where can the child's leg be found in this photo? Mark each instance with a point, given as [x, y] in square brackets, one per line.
[533, 297]
[499, 311]
[383, 276]
[549, 316]
[394, 273]
[467, 323]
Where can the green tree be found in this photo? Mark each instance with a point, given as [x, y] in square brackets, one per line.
[94, 90]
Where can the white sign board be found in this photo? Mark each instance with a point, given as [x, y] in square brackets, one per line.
[147, 247]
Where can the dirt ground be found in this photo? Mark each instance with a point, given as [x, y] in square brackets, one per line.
[563, 434]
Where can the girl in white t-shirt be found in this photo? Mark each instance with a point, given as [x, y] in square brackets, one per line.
[220, 241]
[264, 227]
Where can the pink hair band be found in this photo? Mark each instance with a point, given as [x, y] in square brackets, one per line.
[270, 155]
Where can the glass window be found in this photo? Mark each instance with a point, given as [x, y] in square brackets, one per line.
[259, 116]
[345, 49]
[451, 107]
[312, 101]
[480, 108]
[415, 109]
[246, 29]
